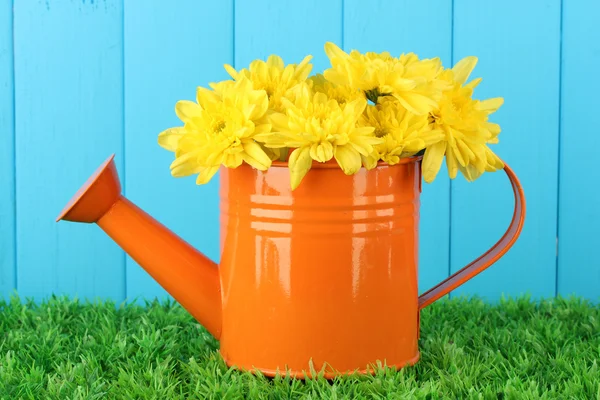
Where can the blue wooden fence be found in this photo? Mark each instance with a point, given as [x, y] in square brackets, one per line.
[81, 79]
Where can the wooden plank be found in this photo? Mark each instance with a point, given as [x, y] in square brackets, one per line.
[7, 160]
[169, 51]
[427, 40]
[579, 197]
[518, 60]
[292, 30]
[68, 62]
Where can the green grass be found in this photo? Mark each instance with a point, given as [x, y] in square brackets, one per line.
[64, 349]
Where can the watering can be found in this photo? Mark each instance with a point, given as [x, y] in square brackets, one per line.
[319, 280]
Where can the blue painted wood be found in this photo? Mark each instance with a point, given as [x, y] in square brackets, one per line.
[292, 30]
[579, 200]
[374, 26]
[69, 117]
[518, 48]
[169, 51]
[7, 161]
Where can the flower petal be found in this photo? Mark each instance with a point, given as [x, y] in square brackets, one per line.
[415, 102]
[187, 110]
[493, 128]
[370, 161]
[207, 98]
[303, 69]
[262, 129]
[403, 84]
[255, 156]
[490, 105]
[233, 160]
[470, 172]
[451, 162]
[454, 147]
[273, 154]
[480, 161]
[206, 174]
[321, 152]
[185, 165]
[169, 138]
[348, 159]
[432, 161]
[231, 71]
[333, 51]
[465, 151]
[463, 69]
[279, 121]
[494, 162]
[473, 84]
[275, 61]
[432, 137]
[299, 164]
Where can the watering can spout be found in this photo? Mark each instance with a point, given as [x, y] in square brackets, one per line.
[188, 275]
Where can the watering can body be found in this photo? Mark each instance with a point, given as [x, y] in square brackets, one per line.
[322, 279]
[323, 275]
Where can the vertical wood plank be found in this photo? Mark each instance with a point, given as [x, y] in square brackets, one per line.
[292, 30]
[376, 26]
[579, 197]
[68, 63]
[169, 52]
[7, 161]
[518, 60]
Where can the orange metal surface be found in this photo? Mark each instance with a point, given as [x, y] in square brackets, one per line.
[188, 275]
[324, 277]
[96, 196]
[490, 256]
[326, 273]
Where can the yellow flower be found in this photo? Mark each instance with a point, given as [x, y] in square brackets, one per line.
[319, 128]
[467, 131]
[274, 77]
[412, 81]
[403, 132]
[340, 93]
[219, 129]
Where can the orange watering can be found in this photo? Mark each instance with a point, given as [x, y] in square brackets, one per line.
[322, 278]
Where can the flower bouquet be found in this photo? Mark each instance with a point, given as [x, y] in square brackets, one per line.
[367, 109]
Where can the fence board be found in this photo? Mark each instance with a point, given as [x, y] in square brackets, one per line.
[291, 30]
[169, 51]
[69, 116]
[518, 60]
[579, 200]
[7, 161]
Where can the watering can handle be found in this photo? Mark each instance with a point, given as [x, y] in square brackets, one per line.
[490, 256]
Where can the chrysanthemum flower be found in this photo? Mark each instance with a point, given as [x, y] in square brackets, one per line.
[219, 129]
[274, 77]
[410, 80]
[403, 132]
[270, 109]
[467, 131]
[318, 128]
